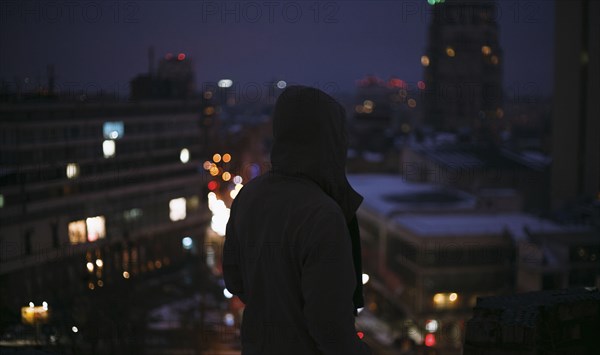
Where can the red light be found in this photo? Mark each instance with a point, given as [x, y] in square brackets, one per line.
[421, 85]
[430, 340]
[360, 334]
[213, 185]
[181, 56]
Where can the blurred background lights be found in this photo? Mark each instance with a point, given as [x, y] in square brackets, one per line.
[226, 158]
[229, 320]
[217, 157]
[225, 83]
[281, 84]
[184, 155]
[365, 278]
[431, 326]
[237, 179]
[74, 329]
[177, 209]
[109, 148]
[72, 170]
[187, 243]
[227, 294]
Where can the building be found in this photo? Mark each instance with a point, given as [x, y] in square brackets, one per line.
[576, 147]
[463, 69]
[94, 196]
[431, 250]
[545, 322]
[174, 79]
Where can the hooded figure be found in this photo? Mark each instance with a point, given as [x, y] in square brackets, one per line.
[292, 246]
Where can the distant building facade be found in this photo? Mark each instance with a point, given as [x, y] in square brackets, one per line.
[463, 69]
[95, 194]
[576, 123]
[174, 79]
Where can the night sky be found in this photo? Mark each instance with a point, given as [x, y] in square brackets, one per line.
[103, 44]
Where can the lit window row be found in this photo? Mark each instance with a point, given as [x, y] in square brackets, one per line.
[445, 300]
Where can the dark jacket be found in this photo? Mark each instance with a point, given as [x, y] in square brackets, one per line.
[292, 248]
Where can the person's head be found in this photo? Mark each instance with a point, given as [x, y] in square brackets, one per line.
[310, 138]
[309, 132]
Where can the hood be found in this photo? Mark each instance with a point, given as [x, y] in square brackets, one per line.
[310, 139]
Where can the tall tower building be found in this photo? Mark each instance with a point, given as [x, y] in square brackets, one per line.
[463, 68]
[576, 119]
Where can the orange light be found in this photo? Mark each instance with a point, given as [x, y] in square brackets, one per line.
[217, 157]
[226, 158]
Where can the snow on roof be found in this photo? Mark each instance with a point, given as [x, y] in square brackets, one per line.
[388, 194]
[517, 224]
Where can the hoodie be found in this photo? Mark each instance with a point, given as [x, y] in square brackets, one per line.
[292, 246]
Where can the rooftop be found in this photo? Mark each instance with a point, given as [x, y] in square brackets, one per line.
[517, 225]
[389, 194]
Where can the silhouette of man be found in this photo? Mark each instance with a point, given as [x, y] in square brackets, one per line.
[292, 246]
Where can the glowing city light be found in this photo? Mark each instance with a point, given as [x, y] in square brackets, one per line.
[217, 157]
[187, 243]
[431, 326]
[227, 294]
[90, 266]
[226, 158]
[450, 52]
[425, 61]
[281, 84]
[109, 148]
[72, 170]
[184, 155]
[74, 329]
[225, 83]
[365, 278]
[177, 209]
[430, 340]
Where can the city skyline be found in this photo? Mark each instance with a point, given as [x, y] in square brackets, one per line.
[97, 46]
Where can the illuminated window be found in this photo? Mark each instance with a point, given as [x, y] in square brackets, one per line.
[109, 148]
[450, 52]
[95, 228]
[177, 209]
[1, 200]
[184, 155]
[77, 233]
[72, 170]
[113, 130]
